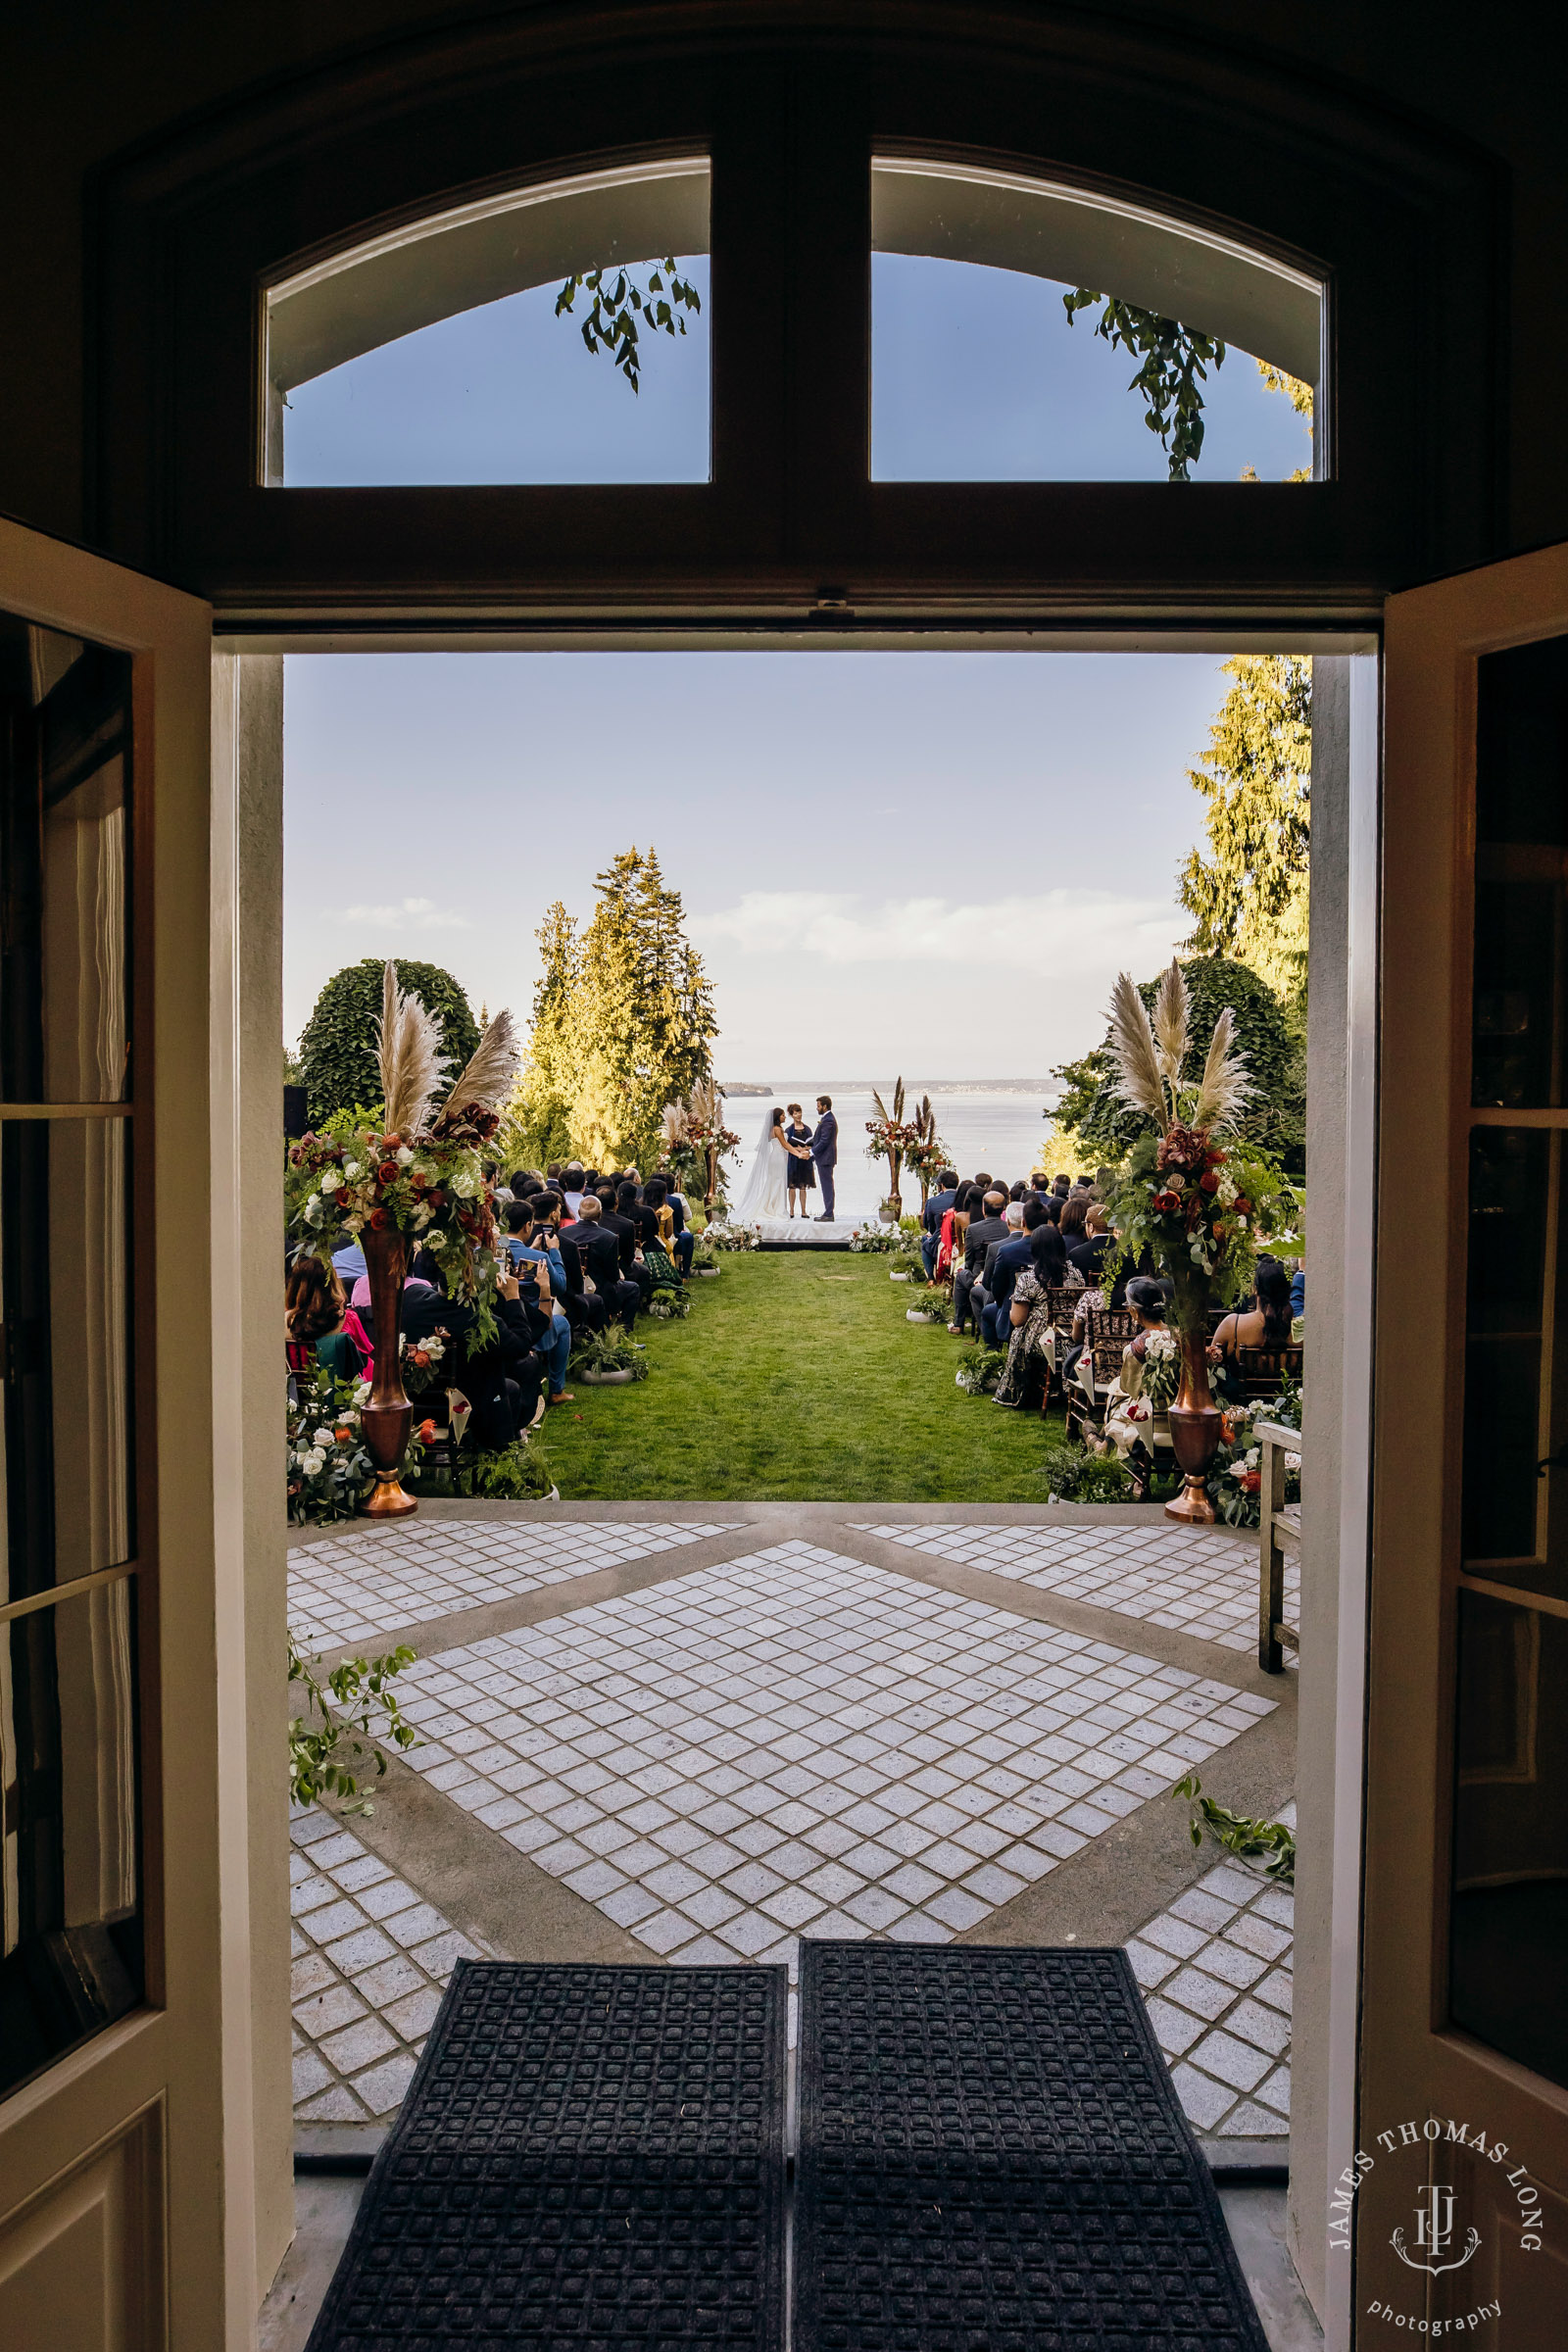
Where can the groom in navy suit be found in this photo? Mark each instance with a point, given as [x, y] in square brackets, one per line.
[825, 1152]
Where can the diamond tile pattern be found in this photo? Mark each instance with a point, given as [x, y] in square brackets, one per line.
[1192, 1583]
[1215, 1973]
[991, 2156]
[588, 2158]
[370, 1962]
[765, 1748]
[353, 1587]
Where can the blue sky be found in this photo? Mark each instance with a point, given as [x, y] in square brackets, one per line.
[976, 376]
[892, 859]
[887, 859]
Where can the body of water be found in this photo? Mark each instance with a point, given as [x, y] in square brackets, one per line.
[999, 1132]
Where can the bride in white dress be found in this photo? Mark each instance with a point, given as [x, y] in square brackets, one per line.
[766, 1193]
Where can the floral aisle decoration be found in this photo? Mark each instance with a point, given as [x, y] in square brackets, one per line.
[895, 1140]
[927, 1156]
[728, 1239]
[1236, 1476]
[697, 1143]
[1162, 1369]
[329, 1470]
[979, 1370]
[1185, 1197]
[410, 1177]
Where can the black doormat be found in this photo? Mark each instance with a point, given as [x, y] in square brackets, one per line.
[993, 2159]
[588, 2160]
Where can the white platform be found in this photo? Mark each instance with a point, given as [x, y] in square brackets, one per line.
[798, 1233]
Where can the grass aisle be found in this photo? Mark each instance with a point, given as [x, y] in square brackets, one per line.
[796, 1378]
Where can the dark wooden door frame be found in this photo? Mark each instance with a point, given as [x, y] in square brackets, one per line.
[791, 102]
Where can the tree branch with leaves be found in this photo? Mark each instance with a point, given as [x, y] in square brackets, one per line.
[619, 311]
[1176, 360]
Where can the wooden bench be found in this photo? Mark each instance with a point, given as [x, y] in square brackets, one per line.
[1278, 1525]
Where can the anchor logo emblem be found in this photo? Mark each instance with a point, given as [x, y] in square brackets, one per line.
[1434, 2234]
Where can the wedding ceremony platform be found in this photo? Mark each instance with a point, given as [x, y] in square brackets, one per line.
[808, 1233]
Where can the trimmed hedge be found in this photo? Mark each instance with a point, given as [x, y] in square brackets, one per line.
[337, 1045]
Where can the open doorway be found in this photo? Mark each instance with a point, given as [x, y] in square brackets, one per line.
[820, 1639]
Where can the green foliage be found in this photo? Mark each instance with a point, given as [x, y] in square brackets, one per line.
[609, 1352]
[979, 1369]
[1275, 1120]
[1247, 895]
[331, 1745]
[518, 1473]
[1174, 367]
[1238, 1834]
[622, 1024]
[337, 1045]
[1074, 1475]
[618, 311]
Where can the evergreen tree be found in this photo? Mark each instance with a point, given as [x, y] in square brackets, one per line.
[622, 1023]
[1249, 895]
[1104, 1129]
[337, 1051]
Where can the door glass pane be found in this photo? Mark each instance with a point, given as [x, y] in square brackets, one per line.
[64, 1319]
[446, 351]
[71, 1927]
[1509, 1918]
[65, 869]
[1521, 870]
[979, 373]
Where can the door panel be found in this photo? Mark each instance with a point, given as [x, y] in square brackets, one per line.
[1464, 2060]
[125, 2166]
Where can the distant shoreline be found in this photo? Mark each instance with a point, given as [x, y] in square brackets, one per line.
[913, 1088]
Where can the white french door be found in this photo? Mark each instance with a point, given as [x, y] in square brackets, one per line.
[126, 2199]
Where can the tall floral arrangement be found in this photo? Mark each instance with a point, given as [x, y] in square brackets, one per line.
[416, 1170]
[1184, 1194]
[895, 1138]
[697, 1141]
[928, 1155]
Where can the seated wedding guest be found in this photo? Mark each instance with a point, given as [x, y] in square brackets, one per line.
[935, 1208]
[490, 1169]
[982, 1181]
[359, 1298]
[537, 1223]
[1061, 1187]
[348, 1263]
[1089, 1254]
[552, 1171]
[552, 1332]
[1048, 1255]
[979, 1235]
[1299, 1293]
[950, 1241]
[1005, 1262]
[503, 1379]
[1147, 1298]
[573, 1177]
[1266, 1325]
[1074, 1220]
[320, 1327]
[625, 1232]
[631, 1205]
[1016, 1192]
[1026, 1325]
[685, 1241]
[600, 1252]
[1039, 1181]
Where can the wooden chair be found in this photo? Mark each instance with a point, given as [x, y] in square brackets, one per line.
[1106, 1332]
[1264, 1371]
[1278, 1527]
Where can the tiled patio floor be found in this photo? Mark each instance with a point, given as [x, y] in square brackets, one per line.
[349, 1588]
[793, 1740]
[1195, 1584]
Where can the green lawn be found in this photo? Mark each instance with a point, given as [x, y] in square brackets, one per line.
[797, 1378]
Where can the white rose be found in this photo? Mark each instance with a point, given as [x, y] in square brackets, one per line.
[1249, 1461]
[1292, 1461]
[466, 1184]
[351, 1167]
[330, 1180]
[312, 1464]
[404, 1156]
[321, 1438]
[315, 1209]
[362, 1395]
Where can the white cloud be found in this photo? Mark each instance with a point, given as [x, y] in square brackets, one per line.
[409, 914]
[1050, 934]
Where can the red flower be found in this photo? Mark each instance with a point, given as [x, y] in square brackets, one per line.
[387, 1172]
[381, 1219]
[1251, 1481]
[1165, 1203]
[427, 1431]
[1244, 1207]
[436, 1198]
[1209, 1181]
[419, 1179]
